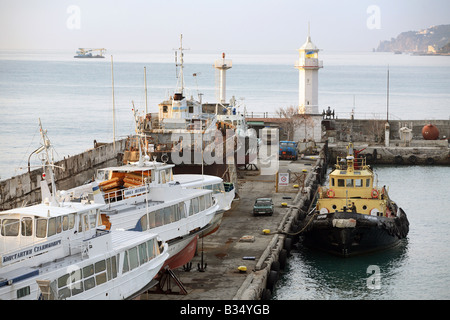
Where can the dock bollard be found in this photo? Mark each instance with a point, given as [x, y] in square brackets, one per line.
[242, 269]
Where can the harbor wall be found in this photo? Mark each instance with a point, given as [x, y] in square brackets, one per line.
[25, 189]
[370, 136]
[372, 131]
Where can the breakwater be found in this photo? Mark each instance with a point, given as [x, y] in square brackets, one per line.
[369, 137]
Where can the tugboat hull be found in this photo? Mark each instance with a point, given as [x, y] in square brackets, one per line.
[348, 234]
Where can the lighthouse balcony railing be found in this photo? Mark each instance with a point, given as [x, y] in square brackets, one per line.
[309, 63]
[223, 63]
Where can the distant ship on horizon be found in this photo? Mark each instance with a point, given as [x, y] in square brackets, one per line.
[87, 53]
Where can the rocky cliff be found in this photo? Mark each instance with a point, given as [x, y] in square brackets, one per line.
[432, 39]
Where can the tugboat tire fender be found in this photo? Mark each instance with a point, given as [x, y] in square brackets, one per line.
[282, 258]
[275, 266]
[430, 161]
[398, 159]
[288, 245]
[412, 159]
[272, 280]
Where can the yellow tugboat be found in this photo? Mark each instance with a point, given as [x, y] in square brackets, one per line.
[353, 215]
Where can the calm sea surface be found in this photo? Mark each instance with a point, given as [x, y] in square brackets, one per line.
[73, 98]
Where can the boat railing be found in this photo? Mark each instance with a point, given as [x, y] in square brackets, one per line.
[356, 163]
[126, 193]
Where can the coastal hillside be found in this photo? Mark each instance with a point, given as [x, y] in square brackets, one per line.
[435, 39]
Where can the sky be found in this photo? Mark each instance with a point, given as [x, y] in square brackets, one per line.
[211, 25]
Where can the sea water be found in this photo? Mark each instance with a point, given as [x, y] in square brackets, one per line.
[74, 97]
[415, 269]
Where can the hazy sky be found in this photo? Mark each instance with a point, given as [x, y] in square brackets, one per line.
[228, 25]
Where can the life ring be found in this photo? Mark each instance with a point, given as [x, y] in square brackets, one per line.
[374, 193]
[330, 193]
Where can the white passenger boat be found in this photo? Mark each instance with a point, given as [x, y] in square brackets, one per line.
[143, 196]
[41, 242]
[223, 192]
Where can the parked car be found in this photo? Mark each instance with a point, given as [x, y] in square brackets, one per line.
[288, 150]
[263, 206]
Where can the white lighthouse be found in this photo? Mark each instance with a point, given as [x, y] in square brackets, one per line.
[222, 65]
[308, 65]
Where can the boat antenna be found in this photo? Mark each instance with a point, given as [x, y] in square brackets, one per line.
[113, 105]
[387, 99]
[145, 84]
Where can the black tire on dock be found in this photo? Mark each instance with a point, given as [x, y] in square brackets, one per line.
[294, 228]
[429, 161]
[288, 246]
[412, 159]
[283, 258]
[266, 295]
[275, 266]
[398, 159]
[272, 280]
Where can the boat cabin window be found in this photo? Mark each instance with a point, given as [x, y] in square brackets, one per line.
[349, 182]
[367, 183]
[341, 183]
[82, 279]
[26, 227]
[133, 255]
[202, 203]
[41, 228]
[194, 205]
[358, 183]
[10, 227]
[137, 256]
[87, 221]
[161, 217]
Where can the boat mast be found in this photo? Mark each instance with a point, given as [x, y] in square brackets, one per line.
[387, 99]
[145, 83]
[114, 111]
[181, 65]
